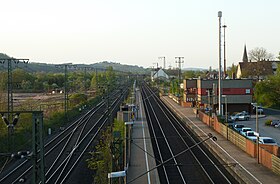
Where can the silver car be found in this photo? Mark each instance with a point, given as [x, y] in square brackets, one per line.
[244, 130]
[267, 140]
[240, 116]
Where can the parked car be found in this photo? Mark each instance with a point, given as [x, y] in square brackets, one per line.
[244, 130]
[240, 116]
[275, 123]
[238, 127]
[267, 140]
[252, 135]
[260, 109]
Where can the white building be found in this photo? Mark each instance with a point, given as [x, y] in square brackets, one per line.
[159, 74]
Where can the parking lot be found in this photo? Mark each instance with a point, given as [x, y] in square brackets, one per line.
[264, 130]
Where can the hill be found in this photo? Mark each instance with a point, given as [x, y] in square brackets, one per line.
[121, 67]
[52, 68]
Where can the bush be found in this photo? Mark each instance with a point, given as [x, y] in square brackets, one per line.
[268, 122]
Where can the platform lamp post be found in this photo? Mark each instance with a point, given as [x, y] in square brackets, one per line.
[258, 134]
[226, 113]
[209, 106]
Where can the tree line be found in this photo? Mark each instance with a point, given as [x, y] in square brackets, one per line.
[78, 81]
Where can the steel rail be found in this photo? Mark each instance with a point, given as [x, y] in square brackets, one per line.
[82, 153]
[183, 140]
[183, 129]
[48, 143]
[167, 143]
[79, 122]
[67, 160]
[156, 140]
[165, 110]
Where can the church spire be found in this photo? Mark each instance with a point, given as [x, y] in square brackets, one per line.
[245, 56]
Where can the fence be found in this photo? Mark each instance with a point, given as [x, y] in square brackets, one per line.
[268, 154]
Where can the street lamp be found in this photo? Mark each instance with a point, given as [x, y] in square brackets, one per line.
[226, 108]
[258, 134]
[226, 113]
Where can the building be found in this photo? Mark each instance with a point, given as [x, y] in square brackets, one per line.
[258, 70]
[159, 74]
[190, 91]
[204, 93]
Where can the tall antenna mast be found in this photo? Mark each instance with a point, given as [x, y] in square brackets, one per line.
[220, 63]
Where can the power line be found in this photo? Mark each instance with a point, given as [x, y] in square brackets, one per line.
[66, 66]
[146, 152]
[179, 60]
[164, 63]
[10, 106]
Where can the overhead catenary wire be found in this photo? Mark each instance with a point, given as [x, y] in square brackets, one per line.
[178, 154]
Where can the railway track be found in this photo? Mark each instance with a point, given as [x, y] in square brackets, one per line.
[66, 149]
[180, 156]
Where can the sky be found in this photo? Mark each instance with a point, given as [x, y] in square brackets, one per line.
[136, 32]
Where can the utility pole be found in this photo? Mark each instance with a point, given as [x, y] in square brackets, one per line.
[86, 68]
[10, 79]
[96, 80]
[179, 60]
[220, 64]
[164, 63]
[225, 65]
[157, 73]
[37, 154]
[65, 66]
[10, 106]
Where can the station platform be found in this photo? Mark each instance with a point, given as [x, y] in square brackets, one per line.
[141, 157]
[242, 165]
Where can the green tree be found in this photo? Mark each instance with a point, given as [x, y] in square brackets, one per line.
[267, 92]
[110, 75]
[77, 98]
[100, 161]
[3, 82]
[232, 70]
[20, 75]
[26, 85]
[193, 74]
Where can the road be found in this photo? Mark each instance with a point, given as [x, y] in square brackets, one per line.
[265, 131]
[273, 112]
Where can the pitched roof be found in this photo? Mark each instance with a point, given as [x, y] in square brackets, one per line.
[260, 68]
[171, 72]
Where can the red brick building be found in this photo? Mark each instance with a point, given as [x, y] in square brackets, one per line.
[204, 92]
